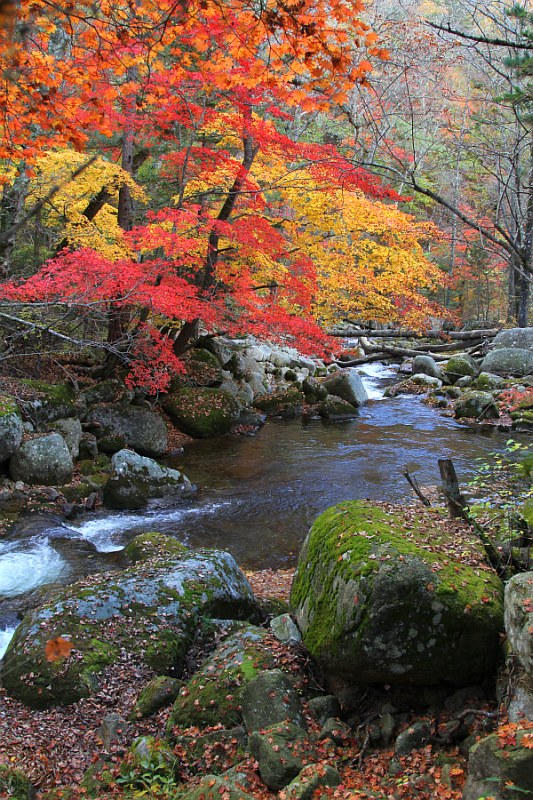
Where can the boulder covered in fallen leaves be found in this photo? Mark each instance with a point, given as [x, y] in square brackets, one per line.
[389, 596]
[202, 412]
[149, 612]
[500, 766]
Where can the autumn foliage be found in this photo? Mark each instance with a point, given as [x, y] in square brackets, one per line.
[230, 216]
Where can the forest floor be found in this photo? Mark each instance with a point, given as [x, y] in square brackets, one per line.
[55, 747]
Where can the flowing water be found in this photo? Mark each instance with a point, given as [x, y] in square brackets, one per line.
[258, 495]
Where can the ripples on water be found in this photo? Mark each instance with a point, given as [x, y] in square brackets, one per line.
[261, 493]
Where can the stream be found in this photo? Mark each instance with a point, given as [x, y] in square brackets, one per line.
[258, 495]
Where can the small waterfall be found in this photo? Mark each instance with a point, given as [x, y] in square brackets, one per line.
[25, 568]
[373, 376]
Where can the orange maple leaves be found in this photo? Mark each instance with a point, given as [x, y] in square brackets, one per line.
[58, 648]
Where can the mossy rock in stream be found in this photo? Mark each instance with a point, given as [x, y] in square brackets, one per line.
[381, 598]
[150, 611]
[202, 412]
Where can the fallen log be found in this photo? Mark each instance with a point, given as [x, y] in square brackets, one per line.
[402, 352]
[481, 333]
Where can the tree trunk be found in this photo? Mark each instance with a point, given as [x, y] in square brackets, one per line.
[11, 208]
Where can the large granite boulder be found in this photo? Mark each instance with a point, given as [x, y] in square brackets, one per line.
[10, 427]
[45, 460]
[380, 597]
[202, 412]
[509, 361]
[150, 611]
[348, 385]
[514, 337]
[134, 480]
[71, 431]
[135, 427]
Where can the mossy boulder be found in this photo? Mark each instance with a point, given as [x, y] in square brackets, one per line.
[214, 692]
[151, 610]
[213, 787]
[51, 401]
[285, 403]
[202, 412]
[486, 381]
[380, 598]
[214, 751]
[501, 769]
[10, 427]
[282, 751]
[460, 366]
[203, 368]
[476, 405]
[71, 431]
[134, 480]
[271, 698]
[153, 545]
[45, 460]
[131, 426]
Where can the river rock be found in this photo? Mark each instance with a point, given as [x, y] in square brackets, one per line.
[335, 409]
[427, 366]
[71, 431]
[285, 403]
[149, 611]
[135, 427]
[45, 460]
[134, 480]
[348, 385]
[10, 427]
[487, 381]
[519, 618]
[375, 605]
[495, 766]
[202, 412]
[214, 692]
[509, 361]
[459, 366]
[476, 405]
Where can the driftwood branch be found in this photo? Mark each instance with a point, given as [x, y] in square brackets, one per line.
[413, 483]
[481, 333]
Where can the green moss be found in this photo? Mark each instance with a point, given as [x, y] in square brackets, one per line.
[286, 403]
[352, 542]
[13, 783]
[202, 412]
[56, 393]
[154, 545]
[76, 492]
[8, 406]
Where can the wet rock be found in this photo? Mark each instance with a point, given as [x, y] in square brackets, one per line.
[134, 480]
[45, 460]
[347, 385]
[335, 409]
[372, 608]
